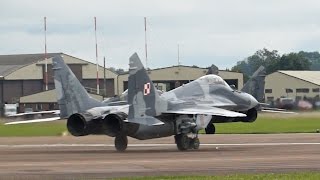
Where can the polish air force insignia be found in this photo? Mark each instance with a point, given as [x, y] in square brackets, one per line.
[146, 89]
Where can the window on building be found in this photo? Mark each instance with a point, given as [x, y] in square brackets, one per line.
[315, 89]
[289, 91]
[270, 98]
[302, 90]
[268, 90]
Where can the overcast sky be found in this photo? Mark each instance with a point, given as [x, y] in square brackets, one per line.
[209, 32]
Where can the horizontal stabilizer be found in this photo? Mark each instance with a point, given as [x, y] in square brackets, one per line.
[214, 111]
[34, 121]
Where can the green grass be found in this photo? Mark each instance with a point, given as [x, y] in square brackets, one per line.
[33, 129]
[280, 176]
[270, 123]
[266, 123]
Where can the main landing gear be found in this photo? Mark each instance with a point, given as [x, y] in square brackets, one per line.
[121, 142]
[184, 142]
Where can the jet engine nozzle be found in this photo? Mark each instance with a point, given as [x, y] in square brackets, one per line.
[77, 124]
[113, 123]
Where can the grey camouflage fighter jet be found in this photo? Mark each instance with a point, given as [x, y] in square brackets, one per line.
[181, 112]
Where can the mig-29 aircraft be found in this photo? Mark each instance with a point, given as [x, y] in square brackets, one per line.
[181, 112]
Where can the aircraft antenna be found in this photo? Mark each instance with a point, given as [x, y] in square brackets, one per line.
[145, 40]
[95, 34]
[45, 53]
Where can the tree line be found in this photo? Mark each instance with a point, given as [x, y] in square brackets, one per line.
[273, 62]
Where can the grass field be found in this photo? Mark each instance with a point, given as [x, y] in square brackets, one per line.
[34, 129]
[266, 123]
[274, 123]
[286, 176]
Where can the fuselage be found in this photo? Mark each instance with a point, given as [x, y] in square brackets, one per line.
[212, 90]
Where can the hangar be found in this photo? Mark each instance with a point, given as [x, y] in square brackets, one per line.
[292, 84]
[171, 77]
[23, 75]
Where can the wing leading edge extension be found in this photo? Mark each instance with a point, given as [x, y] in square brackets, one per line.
[214, 111]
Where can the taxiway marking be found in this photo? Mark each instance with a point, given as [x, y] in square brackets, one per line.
[151, 145]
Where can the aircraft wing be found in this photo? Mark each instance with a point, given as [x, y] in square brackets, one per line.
[277, 111]
[34, 113]
[34, 120]
[214, 111]
[264, 108]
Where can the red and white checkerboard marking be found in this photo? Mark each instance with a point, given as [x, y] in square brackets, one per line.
[146, 89]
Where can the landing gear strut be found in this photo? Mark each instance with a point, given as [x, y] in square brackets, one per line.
[184, 142]
[121, 142]
[211, 129]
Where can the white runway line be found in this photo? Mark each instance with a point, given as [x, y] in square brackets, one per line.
[149, 145]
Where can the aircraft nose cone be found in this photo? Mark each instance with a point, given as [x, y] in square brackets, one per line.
[254, 102]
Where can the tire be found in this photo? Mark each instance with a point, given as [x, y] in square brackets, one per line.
[182, 141]
[121, 143]
[195, 143]
[211, 129]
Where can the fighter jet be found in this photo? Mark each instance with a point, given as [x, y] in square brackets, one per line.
[148, 114]
[183, 111]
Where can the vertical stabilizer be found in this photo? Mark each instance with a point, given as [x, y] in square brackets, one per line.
[143, 98]
[255, 85]
[72, 96]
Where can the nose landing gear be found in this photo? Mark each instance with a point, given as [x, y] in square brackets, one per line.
[211, 129]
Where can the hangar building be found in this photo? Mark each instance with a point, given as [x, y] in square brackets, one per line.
[171, 77]
[292, 84]
[23, 75]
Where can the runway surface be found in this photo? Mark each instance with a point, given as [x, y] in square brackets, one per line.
[94, 156]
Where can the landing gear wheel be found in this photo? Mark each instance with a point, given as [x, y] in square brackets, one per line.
[211, 129]
[121, 142]
[182, 141]
[195, 143]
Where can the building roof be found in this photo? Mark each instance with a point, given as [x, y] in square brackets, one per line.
[184, 66]
[309, 76]
[11, 63]
[48, 97]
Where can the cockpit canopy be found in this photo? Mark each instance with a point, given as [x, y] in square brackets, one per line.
[212, 79]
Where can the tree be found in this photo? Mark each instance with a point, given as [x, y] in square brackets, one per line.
[293, 61]
[314, 58]
[264, 57]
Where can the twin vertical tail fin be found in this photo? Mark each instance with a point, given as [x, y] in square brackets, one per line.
[255, 85]
[143, 98]
[72, 96]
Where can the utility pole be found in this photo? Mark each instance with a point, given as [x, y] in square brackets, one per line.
[104, 77]
[178, 55]
[95, 33]
[45, 53]
[145, 41]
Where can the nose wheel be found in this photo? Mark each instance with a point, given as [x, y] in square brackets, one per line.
[211, 129]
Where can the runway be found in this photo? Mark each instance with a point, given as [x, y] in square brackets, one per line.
[94, 156]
